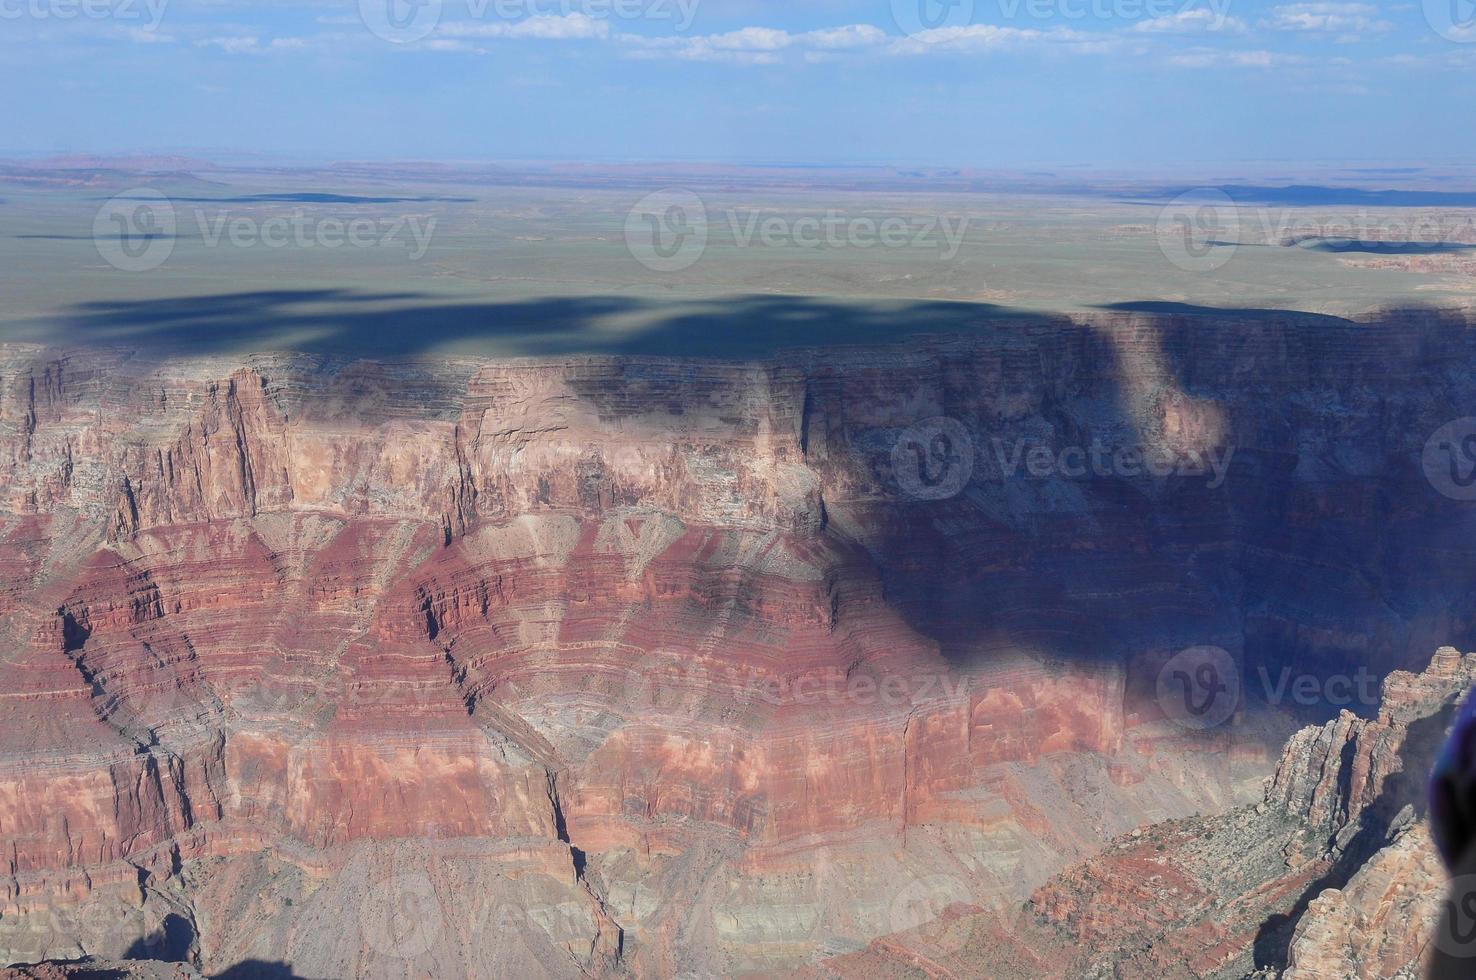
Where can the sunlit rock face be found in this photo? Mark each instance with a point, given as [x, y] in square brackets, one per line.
[1331, 875]
[454, 667]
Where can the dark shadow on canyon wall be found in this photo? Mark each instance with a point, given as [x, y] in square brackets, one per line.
[79, 970]
[258, 970]
[1324, 550]
[171, 944]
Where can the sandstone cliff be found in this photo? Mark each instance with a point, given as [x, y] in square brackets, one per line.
[1331, 876]
[670, 664]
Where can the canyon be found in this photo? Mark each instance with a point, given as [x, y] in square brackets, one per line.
[1331, 874]
[327, 665]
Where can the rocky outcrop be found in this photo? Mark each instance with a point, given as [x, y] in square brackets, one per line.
[1330, 776]
[1332, 875]
[1380, 923]
[114, 970]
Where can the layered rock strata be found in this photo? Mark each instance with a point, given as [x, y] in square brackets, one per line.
[671, 665]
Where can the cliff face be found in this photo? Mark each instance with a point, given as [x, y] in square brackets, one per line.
[1331, 876]
[1380, 924]
[671, 664]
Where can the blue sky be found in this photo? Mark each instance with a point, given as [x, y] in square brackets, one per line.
[987, 83]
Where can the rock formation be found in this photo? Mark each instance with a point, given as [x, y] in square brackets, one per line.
[1331, 875]
[457, 667]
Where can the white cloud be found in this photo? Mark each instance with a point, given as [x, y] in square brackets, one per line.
[453, 45]
[144, 35]
[851, 36]
[570, 27]
[757, 45]
[767, 46]
[1236, 59]
[760, 45]
[1349, 21]
[252, 45]
[696, 49]
[1200, 20]
[232, 45]
[988, 37]
[751, 39]
[545, 27]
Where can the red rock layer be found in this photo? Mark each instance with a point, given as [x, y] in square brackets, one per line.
[657, 655]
